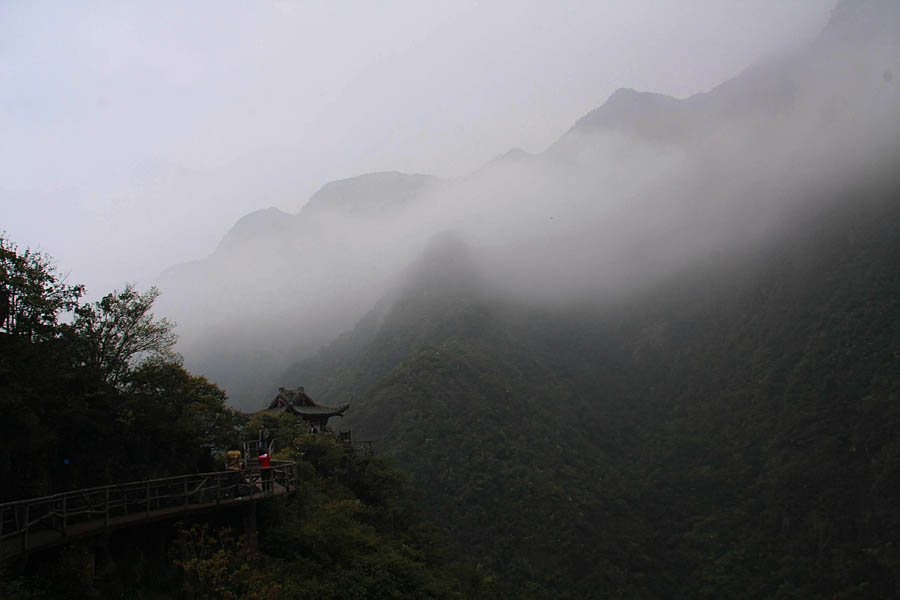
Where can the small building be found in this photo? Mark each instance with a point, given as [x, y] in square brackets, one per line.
[296, 402]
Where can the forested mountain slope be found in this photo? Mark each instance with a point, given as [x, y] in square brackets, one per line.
[732, 431]
[658, 360]
[694, 395]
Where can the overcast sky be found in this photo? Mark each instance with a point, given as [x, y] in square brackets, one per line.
[133, 135]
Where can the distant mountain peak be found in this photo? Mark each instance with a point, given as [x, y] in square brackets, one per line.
[513, 156]
[369, 193]
[766, 87]
[646, 114]
[258, 224]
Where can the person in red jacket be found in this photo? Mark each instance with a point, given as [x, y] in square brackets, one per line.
[266, 466]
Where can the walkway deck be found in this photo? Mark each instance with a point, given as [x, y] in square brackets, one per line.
[27, 525]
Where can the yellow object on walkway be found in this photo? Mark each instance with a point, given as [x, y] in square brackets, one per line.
[233, 462]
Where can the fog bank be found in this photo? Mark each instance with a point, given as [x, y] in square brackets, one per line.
[642, 187]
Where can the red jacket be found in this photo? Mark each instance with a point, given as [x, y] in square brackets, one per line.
[264, 461]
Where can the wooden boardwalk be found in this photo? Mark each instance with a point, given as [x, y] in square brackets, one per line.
[36, 523]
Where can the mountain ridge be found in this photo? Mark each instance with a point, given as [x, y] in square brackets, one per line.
[647, 114]
[333, 238]
[715, 417]
[532, 432]
[388, 189]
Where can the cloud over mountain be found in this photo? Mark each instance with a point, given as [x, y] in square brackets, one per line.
[637, 190]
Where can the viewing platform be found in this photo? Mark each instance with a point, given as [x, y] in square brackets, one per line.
[38, 523]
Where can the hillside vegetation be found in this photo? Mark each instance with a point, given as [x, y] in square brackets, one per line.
[91, 393]
[96, 397]
[731, 432]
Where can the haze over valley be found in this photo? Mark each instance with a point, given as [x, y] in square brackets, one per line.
[633, 193]
[642, 346]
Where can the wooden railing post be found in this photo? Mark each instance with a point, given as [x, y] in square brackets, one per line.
[106, 509]
[147, 494]
[25, 534]
[218, 488]
[184, 479]
[65, 531]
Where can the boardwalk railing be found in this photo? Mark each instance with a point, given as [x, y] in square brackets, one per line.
[36, 522]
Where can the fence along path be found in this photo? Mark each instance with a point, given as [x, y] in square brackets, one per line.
[36, 523]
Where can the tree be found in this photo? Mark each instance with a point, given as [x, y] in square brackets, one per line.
[218, 564]
[37, 381]
[71, 390]
[119, 332]
[190, 407]
[32, 294]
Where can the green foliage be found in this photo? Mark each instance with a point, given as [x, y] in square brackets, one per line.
[22, 589]
[100, 400]
[352, 531]
[32, 295]
[174, 419]
[218, 565]
[70, 575]
[119, 330]
[189, 405]
[106, 394]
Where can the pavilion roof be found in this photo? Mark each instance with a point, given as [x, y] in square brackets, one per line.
[318, 411]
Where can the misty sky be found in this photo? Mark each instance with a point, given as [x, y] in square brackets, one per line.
[133, 135]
